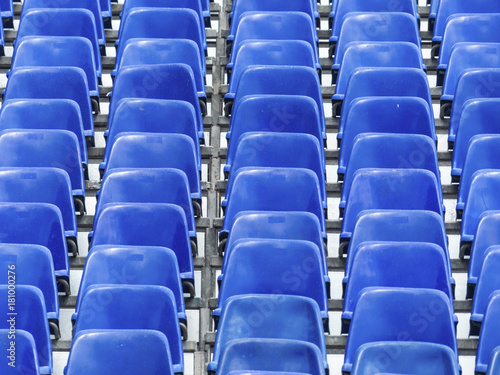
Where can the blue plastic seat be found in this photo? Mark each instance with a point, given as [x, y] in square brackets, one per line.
[106, 13]
[278, 150]
[2, 40]
[62, 22]
[270, 355]
[7, 10]
[286, 189]
[152, 116]
[53, 83]
[274, 113]
[148, 150]
[119, 352]
[172, 82]
[477, 117]
[391, 114]
[133, 265]
[494, 363]
[477, 28]
[382, 314]
[58, 51]
[395, 264]
[488, 283]
[465, 56]
[31, 317]
[267, 52]
[149, 307]
[473, 85]
[386, 189]
[418, 358]
[488, 339]
[17, 221]
[24, 354]
[264, 267]
[287, 311]
[162, 225]
[378, 150]
[374, 27]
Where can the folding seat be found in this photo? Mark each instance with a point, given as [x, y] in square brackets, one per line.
[389, 114]
[394, 264]
[106, 13]
[33, 266]
[264, 267]
[7, 10]
[255, 150]
[379, 150]
[266, 53]
[488, 283]
[133, 265]
[270, 355]
[17, 221]
[53, 83]
[205, 7]
[119, 352]
[25, 355]
[472, 85]
[45, 148]
[466, 56]
[153, 185]
[2, 40]
[130, 307]
[274, 113]
[388, 314]
[386, 189]
[488, 339]
[148, 150]
[31, 317]
[63, 114]
[41, 185]
[280, 80]
[282, 312]
[162, 225]
[478, 116]
[152, 116]
[62, 22]
[494, 364]
[74, 51]
[166, 81]
[286, 189]
[460, 28]
[374, 27]
[375, 82]
[487, 237]
[418, 358]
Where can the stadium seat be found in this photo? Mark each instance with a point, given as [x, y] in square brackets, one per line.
[273, 355]
[2, 39]
[488, 283]
[462, 28]
[473, 85]
[25, 353]
[391, 114]
[386, 189]
[168, 81]
[394, 264]
[119, 352]
[274, 113]
[263, 266]
[286, 189]
[133, 265]
[152, 116]
[488, 339]
[31, 317]
[281, 313]
[62, 22]
[378, 150]
[418, 358]
[388, 314]
[7, 9]
[162, 225]
[148, 150]
[494, 364]
[17, 221]
[53, 83]
[106, 13]
[149, 307]
[466, 56]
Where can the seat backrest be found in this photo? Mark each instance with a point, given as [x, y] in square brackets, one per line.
[494, 363]
[25, 355]
[488, 338]
[487, 283]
